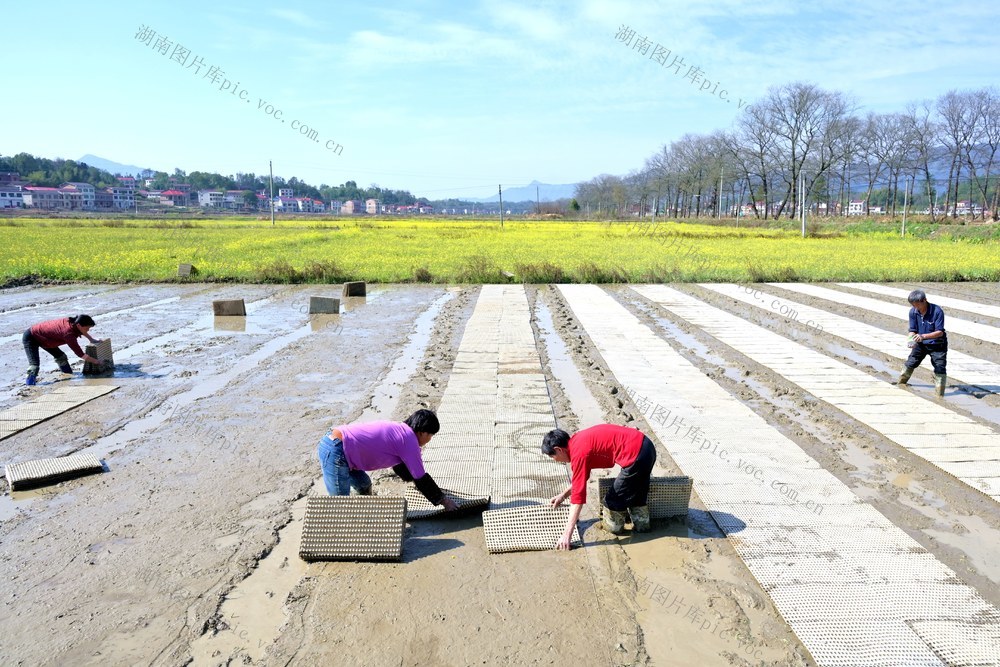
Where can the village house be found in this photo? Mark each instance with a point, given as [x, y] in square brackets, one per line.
[352, 207]
[174, 198]
[211, 198]
[79, 195]
[42, 197]
[11, 196]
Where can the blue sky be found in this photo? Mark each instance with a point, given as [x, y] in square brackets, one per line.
[451, 98]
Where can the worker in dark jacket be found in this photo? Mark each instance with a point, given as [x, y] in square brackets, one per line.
[927, 337]
[49, 335]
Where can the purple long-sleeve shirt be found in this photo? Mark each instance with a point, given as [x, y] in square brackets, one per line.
[376, 445]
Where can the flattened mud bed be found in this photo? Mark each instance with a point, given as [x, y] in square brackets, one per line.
[185, 550]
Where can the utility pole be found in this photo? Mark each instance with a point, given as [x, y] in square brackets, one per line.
[906, 192]
[500, 190]
[270, 168]
[802, 201]
[722, 170]
[538, 206]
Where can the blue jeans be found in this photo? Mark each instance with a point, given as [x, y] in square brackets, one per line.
[337, 474]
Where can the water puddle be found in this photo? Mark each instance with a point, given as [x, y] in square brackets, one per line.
[561, 367]
[231, 324]
[977, 540]
[102, 318]
[253, 612]
[76, 297]
[386, 396]
[858, 358]
[169, 408]
[330, 323]
[725, 367]
[867, 468]
[14, 500]
[143, 349]
[204, 387]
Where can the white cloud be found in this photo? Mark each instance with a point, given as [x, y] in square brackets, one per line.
[298, 18]
[534, 23]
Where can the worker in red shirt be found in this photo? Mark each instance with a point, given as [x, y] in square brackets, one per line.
[49, 335]
[603, 446]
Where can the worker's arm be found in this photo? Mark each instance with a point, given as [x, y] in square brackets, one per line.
[567, 537]
[560, 498]
[432, 492]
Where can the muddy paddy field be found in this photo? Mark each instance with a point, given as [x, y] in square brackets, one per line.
[185, 550]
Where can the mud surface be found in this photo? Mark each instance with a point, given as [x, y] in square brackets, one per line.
[210, 447]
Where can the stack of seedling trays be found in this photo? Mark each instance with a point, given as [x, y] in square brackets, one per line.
[43, 472]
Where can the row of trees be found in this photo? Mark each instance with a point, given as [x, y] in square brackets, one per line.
[53, 173]
[200, 180]
[932, 154]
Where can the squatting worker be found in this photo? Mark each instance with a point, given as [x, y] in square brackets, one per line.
[49, 335]
[603, 446]
[347, 451]
[929, 338]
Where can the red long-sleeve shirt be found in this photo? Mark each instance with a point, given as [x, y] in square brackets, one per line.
[600, 446]
[53, 333]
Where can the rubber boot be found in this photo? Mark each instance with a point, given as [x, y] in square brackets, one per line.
[614, 522]
[904, 377]
[32, 376]
[63, 363]
[640, 518]
[940, 381]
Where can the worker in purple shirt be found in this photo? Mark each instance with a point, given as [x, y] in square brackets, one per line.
[348, 451]
[928, 337]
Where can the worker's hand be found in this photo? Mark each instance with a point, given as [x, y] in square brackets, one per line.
[564, 542]
[449, 504]
[557, 500]
[90, 359]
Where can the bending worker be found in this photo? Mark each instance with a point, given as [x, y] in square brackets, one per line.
[928, 338]
[49, 335]
[603, 446]
[347, 452]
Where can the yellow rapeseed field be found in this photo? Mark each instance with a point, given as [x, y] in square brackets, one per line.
[332, 250]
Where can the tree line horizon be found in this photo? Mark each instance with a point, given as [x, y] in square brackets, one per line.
[799, 130]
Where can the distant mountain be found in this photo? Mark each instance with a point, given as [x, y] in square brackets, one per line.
[110, 166]
[546, 192]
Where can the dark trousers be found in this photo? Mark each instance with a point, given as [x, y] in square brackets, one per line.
[631, 487]
[31, 348]
[938, 352]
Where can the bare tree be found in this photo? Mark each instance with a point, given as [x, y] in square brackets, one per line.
[958, 124]
[754, 148]
[800, 131]
[983, 143]
[602, 194]
[801, 115]
[659, 166]
[924, 132]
